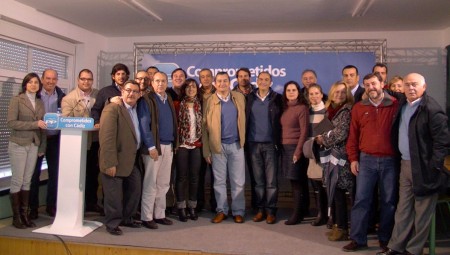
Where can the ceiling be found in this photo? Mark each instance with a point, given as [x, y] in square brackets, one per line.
[121, 18]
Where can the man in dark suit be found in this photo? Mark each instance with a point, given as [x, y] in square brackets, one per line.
[111, 93]
[350, 76]
[119, 160]
[308, 78]
[51, 95]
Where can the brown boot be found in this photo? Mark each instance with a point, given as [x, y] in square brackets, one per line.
[331, 232]
[24, 196]
[339, 235]
[15, 205]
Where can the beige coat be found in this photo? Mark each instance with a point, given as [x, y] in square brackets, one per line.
[23, 120]
[212, 124]
[72, 105]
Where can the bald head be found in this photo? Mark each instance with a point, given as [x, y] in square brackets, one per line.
[414, 85]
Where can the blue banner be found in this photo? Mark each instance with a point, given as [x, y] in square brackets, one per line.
[55, 121]
[282, 66]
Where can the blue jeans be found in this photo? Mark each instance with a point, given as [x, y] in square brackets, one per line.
[232, 162]
[371, 170]
[265, 169]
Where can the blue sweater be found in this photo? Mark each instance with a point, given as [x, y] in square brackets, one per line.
[165, 121]
[260, 129]
[228, 118]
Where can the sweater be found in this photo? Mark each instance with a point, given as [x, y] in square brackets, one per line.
[212, 138]
[294, 126]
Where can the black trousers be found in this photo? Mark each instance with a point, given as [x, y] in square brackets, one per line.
[121, 197]
[52, 157]
[340, 203]
[92, 172]
[188, 163]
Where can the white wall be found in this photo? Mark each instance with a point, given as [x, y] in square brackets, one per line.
[87, 44]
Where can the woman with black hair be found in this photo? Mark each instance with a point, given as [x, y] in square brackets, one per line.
[27, 141]
[188, 156]
[294, 130]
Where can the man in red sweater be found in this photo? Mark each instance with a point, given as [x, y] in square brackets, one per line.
[372, 159]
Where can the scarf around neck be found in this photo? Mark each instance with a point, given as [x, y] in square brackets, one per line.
[184, 126]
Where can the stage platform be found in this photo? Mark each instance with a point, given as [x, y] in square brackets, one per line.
[192, 237]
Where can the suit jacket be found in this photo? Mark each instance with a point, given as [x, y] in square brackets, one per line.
[118, 142]
[73, 106]
[358, 93]
[23, 120]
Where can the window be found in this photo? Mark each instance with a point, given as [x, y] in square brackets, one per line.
[14, 56]
[17, 60]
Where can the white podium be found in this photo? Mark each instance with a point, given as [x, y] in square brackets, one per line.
[69, 219]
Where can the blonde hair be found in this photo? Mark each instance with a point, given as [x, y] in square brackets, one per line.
[349, 97]
[394, 80]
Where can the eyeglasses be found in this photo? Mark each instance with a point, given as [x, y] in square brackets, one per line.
[130, 91]
[86, 79]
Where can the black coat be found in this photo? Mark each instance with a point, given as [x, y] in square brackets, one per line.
[275, 110]
[429, 142]
[102, 97]
[358, 94]
[60, 94]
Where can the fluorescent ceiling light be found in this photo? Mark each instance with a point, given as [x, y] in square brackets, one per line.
[362, 7]
[135, 4]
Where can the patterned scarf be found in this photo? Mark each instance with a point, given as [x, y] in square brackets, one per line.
[184, 126]
[332, 110]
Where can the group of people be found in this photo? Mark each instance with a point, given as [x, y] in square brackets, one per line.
[379, 139]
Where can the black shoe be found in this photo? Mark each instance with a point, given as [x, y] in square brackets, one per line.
[182, 214]
[114, 231]
[294, 220]
[390, 252]
[383, 246]
[150, 224]
[354, 246]
[34, 215]
[132, 224]
[319, 221]
[192, 214]
[163, 221]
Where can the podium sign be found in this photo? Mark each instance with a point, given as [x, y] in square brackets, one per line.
[55, 121]
[69, 219]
